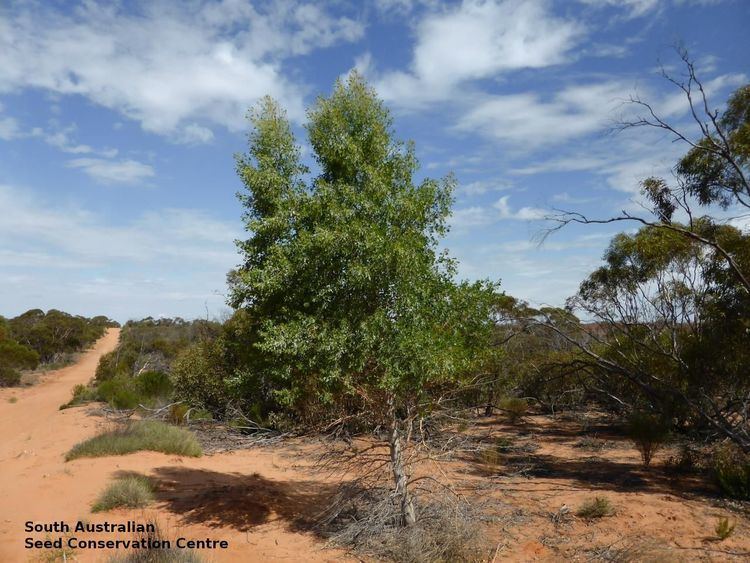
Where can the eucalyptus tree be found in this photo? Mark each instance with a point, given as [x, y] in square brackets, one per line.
[352, 307]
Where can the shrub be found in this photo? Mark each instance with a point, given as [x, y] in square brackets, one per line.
[514, 408]
[369, 522]
[598, 507]
[153, 384]
[9, 377]
[133, 491]
[81, 394]
[648, 433]
[149, 435]
[199, 376]
[118, 392]
[177, 413]
[686, 461]
[724, 529]
[731, 469]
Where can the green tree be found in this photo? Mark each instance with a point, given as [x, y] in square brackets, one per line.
[13, 356]
[351, 304]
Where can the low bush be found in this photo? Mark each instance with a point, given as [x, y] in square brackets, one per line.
[199, 376]
[369, 522]
[514, 408]
[648, 433]
[119, 392]
[598, 507]
[82, 394]
[153, 384]
[9, 377]
[149, 435]
[724, 529]
[684, 462]
[731, 470]
[177, 413]
[133, 491]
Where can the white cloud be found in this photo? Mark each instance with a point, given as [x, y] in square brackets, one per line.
[633, 8]
[525, 213]
[467, 218]
[166, 64]
[193, 133]
[527, 120]
[483, 187]
[113, 171]
[64, 254]
[476, 40]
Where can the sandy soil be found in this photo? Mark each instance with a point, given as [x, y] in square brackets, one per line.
[253, 499]
[261, 500]
[534, 490]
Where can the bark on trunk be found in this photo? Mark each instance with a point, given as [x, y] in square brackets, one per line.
[408, 516]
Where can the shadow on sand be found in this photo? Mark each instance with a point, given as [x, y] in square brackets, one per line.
[237, 500]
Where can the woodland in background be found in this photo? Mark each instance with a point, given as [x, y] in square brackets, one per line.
[48, 339]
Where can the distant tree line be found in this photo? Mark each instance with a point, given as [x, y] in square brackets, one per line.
[36, 337]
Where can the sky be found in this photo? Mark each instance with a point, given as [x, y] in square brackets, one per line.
[119, 122]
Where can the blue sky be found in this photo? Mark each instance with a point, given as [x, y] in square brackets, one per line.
[119, 121]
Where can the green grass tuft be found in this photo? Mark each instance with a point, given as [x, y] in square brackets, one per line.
[148, 435]
[724, 529]
[597, 507]
[133, 491]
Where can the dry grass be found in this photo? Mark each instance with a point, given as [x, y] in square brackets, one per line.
[133, 491]
[137, 436]
[368, 521]
[598, 507]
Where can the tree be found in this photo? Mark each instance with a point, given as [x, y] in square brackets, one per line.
[13, 356]
[672, 301]
[352, 308]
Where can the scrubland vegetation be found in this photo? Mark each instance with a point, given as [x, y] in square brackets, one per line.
[131, 491]
[349, 323]
[47, 340]
[144, 435]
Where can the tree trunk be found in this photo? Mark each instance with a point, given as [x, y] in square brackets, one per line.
[408, 516]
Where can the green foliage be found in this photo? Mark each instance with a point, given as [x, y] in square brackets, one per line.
[13, 357]
[724, 529]
[151, 345]
[118, 392]
[148, 435]
[731, 470]
[177, 413]
[153, 384]
[598, 507]
[56, 332]
[132, 491]
[82, 394]
[648, 433]
[341, 281]
[514, 408]
[199, 375]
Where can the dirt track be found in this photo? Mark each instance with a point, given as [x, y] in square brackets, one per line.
[249, 498]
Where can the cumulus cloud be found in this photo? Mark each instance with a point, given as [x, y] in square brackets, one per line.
[166, 64]
[113, 171]
[476, 40]
[66, 254]
[528, 120]
[525, 213]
